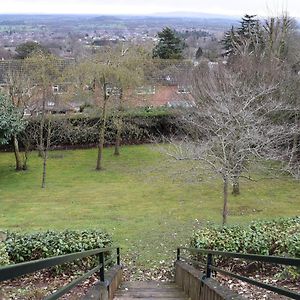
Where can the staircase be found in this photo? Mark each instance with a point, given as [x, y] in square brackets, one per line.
[149, 290]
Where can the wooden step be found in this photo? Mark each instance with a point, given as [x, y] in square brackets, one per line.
[152, 289]
[151, 294]
[129, 298]
[147, 284]
[132, 298]
[149, 290]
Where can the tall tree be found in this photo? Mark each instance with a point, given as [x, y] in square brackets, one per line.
[280, 36]
[244, 39]
[20, 91]
[131, 62]
[169, 46]
[106, 77]
[92, 78]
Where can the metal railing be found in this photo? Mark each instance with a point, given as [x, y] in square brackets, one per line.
[209, 267]
[13, 271]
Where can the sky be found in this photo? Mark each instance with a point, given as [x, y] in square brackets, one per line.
[148, 7]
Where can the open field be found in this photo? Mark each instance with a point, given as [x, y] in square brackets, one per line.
[148, 203]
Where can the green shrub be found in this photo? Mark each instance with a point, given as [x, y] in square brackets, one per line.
[276, 237]
[30, 246]
[4, 258]
[279, 237]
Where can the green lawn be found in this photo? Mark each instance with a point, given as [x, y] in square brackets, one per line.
[147, 202]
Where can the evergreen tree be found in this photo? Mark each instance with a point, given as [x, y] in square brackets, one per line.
[28, 49]
[230, 41]
[199, 53]
[248, 26]
[249, 35]
[170, 46]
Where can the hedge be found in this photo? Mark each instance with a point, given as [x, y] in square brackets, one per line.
[81, 130]
[275, 237]
[280, 237]
[21, 247]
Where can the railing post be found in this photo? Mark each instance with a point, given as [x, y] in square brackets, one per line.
[118, 256]
[208, 264]
[101, 262]
[178, 253]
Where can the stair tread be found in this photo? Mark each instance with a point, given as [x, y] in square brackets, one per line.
[149, 290]
[149, 298]
[148, 284]
[145, 292]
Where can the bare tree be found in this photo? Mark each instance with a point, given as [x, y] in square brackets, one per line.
[91, 79]
[286, 148]
[283, 43]
[104, 77]
[227, 128]
[131, 62]
[43, 71]
[56, 128]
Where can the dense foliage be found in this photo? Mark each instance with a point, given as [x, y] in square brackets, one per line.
[279, 237]
[11, 121]
[30, 48]
[276, 237]
[22, 247]
[169, 46]
[4, 258]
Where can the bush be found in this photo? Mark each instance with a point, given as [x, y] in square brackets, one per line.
[30, 246]
[276, 237]
[4, 258]
[279, 237]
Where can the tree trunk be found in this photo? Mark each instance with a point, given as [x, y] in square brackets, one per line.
[26, 151]
[102, 132]
[42, 124]
[100, 148]
[19, 163]
[235, 186]
[45, 155]
[119, 126]
[118, 138]
[225, 198]
[295, 153]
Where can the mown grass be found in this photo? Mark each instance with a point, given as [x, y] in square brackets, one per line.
[148, 203]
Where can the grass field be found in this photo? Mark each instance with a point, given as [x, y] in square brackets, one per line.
[148, 203]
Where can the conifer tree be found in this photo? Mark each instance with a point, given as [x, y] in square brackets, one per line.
[249, 35]
[170, 46]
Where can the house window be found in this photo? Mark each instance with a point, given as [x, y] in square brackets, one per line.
[182, 89]
[55, 89]
[145, 90]
[113, 91]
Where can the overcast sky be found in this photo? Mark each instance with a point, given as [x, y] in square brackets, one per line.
[227, 7]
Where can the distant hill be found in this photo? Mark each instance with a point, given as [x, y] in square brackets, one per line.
[196, 15]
